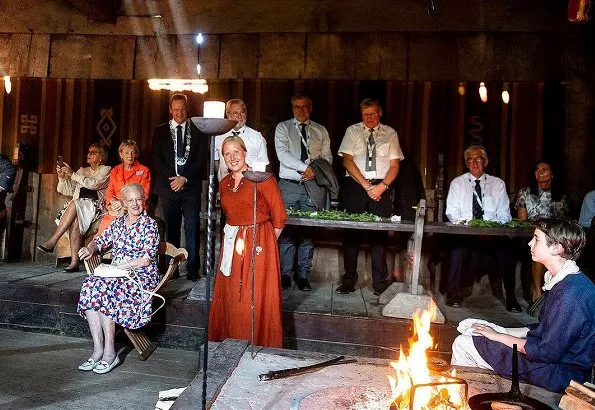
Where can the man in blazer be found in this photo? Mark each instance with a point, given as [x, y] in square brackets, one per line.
[180, 154]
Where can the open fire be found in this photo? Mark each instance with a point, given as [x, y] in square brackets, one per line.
[414, 386]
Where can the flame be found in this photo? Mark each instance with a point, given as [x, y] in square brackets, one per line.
[413, 370]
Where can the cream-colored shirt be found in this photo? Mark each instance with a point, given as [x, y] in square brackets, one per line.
[355, 143]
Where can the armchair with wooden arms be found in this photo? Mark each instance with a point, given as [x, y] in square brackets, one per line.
[141, 342]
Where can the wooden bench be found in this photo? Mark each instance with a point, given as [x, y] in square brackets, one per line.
[141, 342]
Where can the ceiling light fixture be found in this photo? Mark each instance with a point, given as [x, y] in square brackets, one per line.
[483, 92]
[505, 94]
[7, 84]
[196, 85]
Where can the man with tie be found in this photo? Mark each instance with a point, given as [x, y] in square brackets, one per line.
[256, 145]
[478, 195]
[371, 155]
[180, 154]
[298, 142]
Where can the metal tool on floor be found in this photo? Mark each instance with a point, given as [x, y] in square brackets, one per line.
[294, 371]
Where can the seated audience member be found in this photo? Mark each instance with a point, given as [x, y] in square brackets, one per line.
[587, 210]
[107, 301]
[128, 172]
[87, 189]
[561, 347]
[478, 195]
[231, 312]
[542, 199]
[256, 145]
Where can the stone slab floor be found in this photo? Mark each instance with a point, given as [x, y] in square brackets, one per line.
[40, 371]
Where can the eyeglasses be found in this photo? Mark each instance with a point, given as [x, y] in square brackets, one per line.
[475, 159]
[301, 107]
[238, 113]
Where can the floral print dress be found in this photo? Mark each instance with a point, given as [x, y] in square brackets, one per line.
[120, 299]
[541, 205]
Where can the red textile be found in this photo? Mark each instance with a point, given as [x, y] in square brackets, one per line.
[230, 316]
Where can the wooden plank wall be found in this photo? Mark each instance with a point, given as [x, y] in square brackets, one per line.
[63, 116]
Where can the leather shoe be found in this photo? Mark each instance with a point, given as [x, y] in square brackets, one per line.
[44, 249]
[380, 291]
[513, 306]
[344, 289]
[71, 270]
[453, 300]
[104, 367]
[304, 284]
[90, 364]
[285, 282]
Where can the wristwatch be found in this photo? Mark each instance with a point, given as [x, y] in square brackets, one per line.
[386, 186]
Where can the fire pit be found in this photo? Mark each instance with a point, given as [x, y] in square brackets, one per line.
[414, 386]
[234, 383]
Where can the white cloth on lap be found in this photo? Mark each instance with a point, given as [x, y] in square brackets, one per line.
[465, 326]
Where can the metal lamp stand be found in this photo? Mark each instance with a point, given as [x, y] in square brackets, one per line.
[255, 177]
[210, 127]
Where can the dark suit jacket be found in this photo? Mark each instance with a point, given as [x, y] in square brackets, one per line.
[163, 159]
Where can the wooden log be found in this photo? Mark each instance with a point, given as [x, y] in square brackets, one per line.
[572, 403]
[583, 389]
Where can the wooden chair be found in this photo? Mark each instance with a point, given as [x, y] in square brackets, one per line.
[141, 342]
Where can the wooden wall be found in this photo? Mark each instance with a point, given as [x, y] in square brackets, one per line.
[62, 117]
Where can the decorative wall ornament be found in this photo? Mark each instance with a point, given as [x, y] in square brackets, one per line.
[106, 126]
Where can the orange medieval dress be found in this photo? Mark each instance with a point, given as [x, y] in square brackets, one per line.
[230, 315]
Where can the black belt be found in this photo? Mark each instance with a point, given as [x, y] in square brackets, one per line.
[292, 181]
[375, 181]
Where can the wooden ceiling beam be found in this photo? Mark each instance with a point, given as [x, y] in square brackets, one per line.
[101, 11]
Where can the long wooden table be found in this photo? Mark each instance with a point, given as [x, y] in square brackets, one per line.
[418, 227]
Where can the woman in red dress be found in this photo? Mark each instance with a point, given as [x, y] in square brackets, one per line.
[231, 310]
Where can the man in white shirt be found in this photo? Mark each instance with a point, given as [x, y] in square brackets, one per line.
[256, 145]
[478, 195]
[371, 155]
[298, 142]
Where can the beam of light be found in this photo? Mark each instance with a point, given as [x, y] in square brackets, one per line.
[199, 39]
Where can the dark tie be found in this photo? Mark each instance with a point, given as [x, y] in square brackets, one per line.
[235, 133]
[371, 162]
[304, 154]
[180, 139]
[180, 148]
[477, 209]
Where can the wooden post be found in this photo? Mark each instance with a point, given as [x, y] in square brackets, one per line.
[418, 235]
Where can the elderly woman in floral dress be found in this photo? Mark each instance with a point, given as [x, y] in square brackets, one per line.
[107, 301]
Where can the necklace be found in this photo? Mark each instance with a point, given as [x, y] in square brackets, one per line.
[188, 137]
[234, 189]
